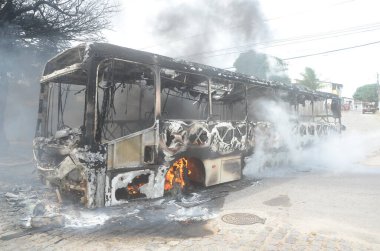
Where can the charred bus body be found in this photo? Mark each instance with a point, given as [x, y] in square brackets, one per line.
[116, 124]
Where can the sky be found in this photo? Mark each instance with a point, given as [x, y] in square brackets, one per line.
[288, 29]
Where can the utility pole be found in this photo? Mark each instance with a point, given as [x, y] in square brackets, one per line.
[378, 90]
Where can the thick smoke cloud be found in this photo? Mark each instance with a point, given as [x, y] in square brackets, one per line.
[200, 25]
[346, 152]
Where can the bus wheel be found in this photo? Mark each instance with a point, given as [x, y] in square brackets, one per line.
[177, 178]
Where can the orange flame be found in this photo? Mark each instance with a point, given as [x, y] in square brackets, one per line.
[134, 189]
[176, 174]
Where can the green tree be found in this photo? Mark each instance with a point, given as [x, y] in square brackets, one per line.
[262, 66]
[252, 63]
[309, 79]
[33, 30]
[278, 70]
[367, 93]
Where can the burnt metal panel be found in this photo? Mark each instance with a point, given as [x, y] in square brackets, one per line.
[128, 152]
[42, 121]
[212, 171]
[95, 187]
[71, 56]
[149, 138]
[157, 96]
[110, 156]
[221, 170]
[231, 170]
[90, 115]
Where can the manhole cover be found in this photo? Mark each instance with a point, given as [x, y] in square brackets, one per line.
[242, 219]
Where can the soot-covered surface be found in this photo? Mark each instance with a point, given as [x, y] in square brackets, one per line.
[181, 216]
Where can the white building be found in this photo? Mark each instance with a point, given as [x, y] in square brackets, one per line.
[330, 87]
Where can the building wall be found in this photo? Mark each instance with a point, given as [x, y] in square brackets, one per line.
[332, 88]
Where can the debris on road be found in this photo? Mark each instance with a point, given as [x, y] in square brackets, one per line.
[47, 221]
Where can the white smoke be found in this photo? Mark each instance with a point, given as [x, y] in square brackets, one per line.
[288, 154]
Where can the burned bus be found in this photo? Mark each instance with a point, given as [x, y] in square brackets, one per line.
[116, 124]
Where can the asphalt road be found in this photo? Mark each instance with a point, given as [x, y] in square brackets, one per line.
[329, 201]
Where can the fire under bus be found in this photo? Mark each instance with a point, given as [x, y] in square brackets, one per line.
[116, 124]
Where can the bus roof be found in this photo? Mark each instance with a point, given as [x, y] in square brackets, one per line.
[71, 66]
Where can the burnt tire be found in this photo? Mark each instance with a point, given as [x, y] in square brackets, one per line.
[177, 191]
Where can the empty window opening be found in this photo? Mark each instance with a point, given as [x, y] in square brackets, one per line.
[183, 95]
[126, 95]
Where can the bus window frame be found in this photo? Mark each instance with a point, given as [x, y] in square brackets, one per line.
[151, 67]
[244, 97]
[209, 102]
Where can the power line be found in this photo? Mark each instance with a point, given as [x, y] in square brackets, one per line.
[235, 52]
[322, 53]
[289, 41]
[331, 51]
[240, 25]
